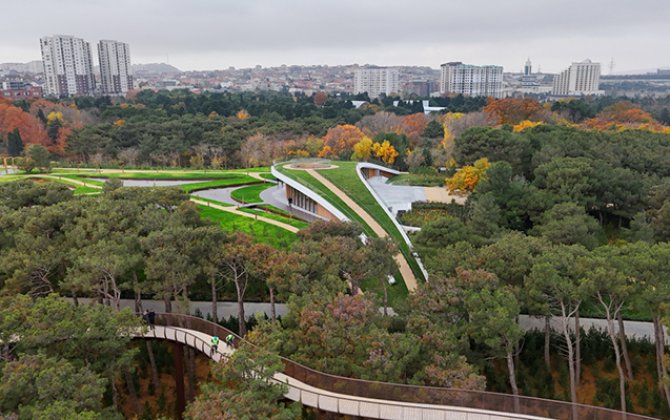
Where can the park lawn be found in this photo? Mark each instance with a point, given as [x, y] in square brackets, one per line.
[307, 180]
[268, 176]
[81, 179]
[159, 173]
[81, 190]
[9, 178]
[289, 221]
[250, 194]
[346, 178]
[209, 200]
[219, 183]
[397, 293]
[261, 232]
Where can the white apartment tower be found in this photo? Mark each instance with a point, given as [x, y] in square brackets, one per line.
[469, 80]
[577, 80]
[116, 76]
[68, 67]
[376, 81]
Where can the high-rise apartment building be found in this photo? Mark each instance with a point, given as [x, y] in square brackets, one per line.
[376, 81]
[116, 76]
[68, 67]
[578, 79]
[469, 80]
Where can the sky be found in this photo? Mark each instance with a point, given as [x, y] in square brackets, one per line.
[217, 34]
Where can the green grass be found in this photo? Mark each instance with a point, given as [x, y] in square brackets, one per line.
[219, 183]
[269, 176]
[86, 190]
[250, 194]
[346, 178]
[424, 180]
[9, 178]
[307, 180]
[169, 173]
[261, 232]
[209, 200]
[293, 222]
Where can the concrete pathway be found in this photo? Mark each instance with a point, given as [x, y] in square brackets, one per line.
[222, 194]
[249, 215]
[403, 265]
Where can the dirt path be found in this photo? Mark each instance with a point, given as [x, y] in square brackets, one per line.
[243, 214]
[401, 261]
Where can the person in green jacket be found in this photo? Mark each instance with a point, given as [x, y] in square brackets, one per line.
[215, 345]
[229, 340]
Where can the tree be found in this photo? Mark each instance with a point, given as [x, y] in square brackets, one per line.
[385, 151]
[467, 178]
[34, 384]
[492, 321]
[38, 156]
[611, 290]
[14, 143]
[362, 149]
[554, 283]
[568, 224]
[341, 139]
[433, 130]
[244, 388]
[513, 110]
[320, 98]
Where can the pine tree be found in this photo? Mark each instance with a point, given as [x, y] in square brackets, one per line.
[14, 143]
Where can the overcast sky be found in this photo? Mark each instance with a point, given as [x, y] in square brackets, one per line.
[214, 34]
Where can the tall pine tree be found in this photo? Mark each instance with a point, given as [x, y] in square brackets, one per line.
[14, 143]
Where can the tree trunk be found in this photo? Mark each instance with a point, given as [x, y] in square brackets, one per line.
[154, 368]
[565, 321]
[512, 380]
[168, 304]
[614, 338]
[132, 392]
[273, 308]
[115, 394]
[138, 302]
[578, 348]
[240, 311]
[659, 336]
[624, 347]
[75, 299]
[547, 343]
[215, 312]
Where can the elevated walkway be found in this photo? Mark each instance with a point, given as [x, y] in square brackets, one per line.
[381, 400]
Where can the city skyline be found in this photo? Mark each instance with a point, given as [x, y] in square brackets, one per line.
[212, 35]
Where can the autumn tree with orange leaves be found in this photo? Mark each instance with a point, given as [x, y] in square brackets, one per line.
[339, 141]
[514, 110]
[30, 128]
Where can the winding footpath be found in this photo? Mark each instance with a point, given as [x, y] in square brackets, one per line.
[235, 211]
[401, 262]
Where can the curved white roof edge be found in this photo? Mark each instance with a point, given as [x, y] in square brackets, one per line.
[382, 204]
[309, 193]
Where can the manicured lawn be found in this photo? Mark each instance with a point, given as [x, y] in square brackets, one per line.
[293, 222]
[345, 177]
[9, 178]
[261, 232]
[209, 200]
[424, 180]
[159, 173]
[307, 180]
[87, 190]
[218, 183]
[250, 194]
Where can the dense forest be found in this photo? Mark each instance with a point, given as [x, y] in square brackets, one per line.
[567, 216]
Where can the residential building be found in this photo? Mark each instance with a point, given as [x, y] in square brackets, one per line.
[14, 90]
[577, 80]
[469, 80]
[116, 75]
[68, 67]
[376, 81]
[418, 88]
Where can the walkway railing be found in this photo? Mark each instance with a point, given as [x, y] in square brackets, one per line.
[480, 400]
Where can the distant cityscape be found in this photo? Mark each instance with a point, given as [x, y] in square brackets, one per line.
[67, 69]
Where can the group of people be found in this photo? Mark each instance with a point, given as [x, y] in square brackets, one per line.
[230, 339]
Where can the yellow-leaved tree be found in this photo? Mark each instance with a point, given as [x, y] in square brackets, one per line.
[385, 151]
[242, 114]
[523, 125]
[362, 149]
[467, 177]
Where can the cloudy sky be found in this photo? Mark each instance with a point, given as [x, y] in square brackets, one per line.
[211, 34]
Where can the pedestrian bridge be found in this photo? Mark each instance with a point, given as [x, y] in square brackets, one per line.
[381, 400]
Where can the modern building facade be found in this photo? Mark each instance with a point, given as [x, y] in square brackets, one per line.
[376, 81]
[578, 80]
[116, 77]
[68, 67]
[468, 80]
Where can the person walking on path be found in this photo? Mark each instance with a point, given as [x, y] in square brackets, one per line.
[151, 317]
[215, 346]
[229, 340]
[145, 316]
